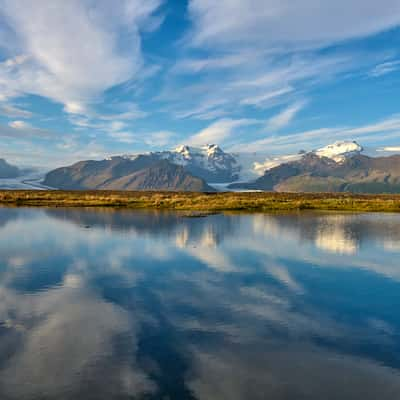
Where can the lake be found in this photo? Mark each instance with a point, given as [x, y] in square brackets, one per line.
[105, 304]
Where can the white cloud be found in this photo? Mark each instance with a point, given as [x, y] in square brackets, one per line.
[209, 109]
[22, 130]
[394, 149]
[195, 65]
[117, 126]
[268, 97]
[72, 51]
[19, 125]
[159, 139]
[257, 83]
[12, 111]
[123, 111]
[299, 68]
[218, 132]
[304, 23]
[388, 129]
[74, 107]
[123, 137]
[285, 117]
[384, 68]
[263, 53]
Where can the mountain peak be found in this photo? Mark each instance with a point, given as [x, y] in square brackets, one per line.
[207, 149]
[208, 161]
[340, 150]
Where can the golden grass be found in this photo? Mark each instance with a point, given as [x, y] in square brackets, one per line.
[265, 201]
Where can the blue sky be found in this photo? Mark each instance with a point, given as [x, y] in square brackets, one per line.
[84, 79]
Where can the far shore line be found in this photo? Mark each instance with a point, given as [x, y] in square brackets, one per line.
[205, 202]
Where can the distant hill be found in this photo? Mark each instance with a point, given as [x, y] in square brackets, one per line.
[317, 172]
[7, 170]
[144, 172]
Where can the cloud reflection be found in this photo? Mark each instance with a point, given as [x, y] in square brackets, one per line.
[106, 304]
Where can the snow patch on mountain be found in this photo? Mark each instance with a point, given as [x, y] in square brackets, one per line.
[254, 165]
[210, 157]
[340, 151]
[269, 163]
[209, 162]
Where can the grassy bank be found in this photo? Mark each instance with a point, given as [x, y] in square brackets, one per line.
[202, 201]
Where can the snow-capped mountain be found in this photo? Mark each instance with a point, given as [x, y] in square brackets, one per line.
[208, 162]
[339, 167]
[340, 151]
[214, 165]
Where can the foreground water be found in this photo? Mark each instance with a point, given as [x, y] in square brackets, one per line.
[122, 305]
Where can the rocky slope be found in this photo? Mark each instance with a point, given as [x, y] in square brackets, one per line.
[144, 172]
[332, 170]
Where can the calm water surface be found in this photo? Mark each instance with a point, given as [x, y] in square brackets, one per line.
[125, 305]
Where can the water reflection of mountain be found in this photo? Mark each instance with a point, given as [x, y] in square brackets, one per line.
[336, 233]
[148, 305]
[210, 230]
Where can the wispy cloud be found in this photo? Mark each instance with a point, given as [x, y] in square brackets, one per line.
[258, 84]
[394, 149]
[379, 132]
[269, 97]
[99, 79]
[12, 111]
[306, 23]
[123, 136]
[160, 138]
[73, 63]
[22, 130]
[259, 54]
[219, 131]
[285, 117]
[196, 65]
[384, 68]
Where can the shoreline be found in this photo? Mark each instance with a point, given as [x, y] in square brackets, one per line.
[214, 202]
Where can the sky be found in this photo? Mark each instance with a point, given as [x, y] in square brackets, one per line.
[85, 79]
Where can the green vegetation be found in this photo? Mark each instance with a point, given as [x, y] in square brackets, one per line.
[254, 201]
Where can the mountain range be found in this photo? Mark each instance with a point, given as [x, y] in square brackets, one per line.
[357, 174]
[184, 169]
[338, 167]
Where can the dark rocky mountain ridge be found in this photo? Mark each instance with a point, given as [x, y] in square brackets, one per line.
[145, 172]
[358, 174]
